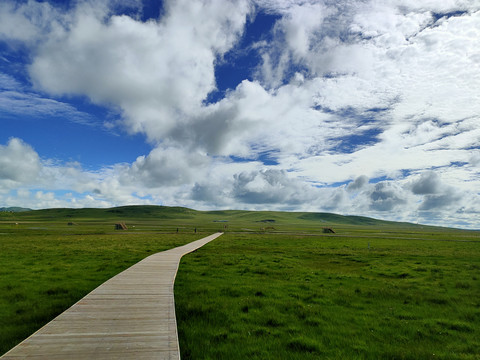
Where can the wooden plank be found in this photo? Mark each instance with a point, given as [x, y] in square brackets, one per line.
[130, 316]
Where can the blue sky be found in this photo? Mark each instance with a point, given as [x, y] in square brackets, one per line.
[364, 108]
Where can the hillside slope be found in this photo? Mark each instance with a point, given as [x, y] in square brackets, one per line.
[241, 218]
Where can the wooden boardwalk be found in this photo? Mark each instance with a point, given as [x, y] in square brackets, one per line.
[131, 316]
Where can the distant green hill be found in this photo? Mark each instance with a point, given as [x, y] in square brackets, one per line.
[14, 209]
[234, 218]
[345, 219]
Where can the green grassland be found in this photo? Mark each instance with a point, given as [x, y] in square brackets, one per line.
[47, 265]
[285, 296]
[273, 287]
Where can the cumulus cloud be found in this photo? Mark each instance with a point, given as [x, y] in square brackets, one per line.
[386, 196]
[19, 164]
[157, 73]
[358, 184]
[359, 56]
[428, 183]
[383, 56]
[437, 194]
[211, 195]
[205, 193]
[344, 92]
[25, 22]
[448, 198]
[271, 187]
[23, 172]
[165, 167]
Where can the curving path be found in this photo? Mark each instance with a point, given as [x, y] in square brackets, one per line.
[130, 316]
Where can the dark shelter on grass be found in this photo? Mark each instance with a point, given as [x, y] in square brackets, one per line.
[121, 226]
[328, 231]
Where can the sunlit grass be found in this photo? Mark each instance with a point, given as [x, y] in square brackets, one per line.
[273, 287]
[43, 272]
[292, 297]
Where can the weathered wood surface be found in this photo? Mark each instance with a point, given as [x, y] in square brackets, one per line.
[131, 316]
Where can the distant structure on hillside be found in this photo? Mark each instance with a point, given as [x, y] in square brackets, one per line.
[121, 226]
[328, 231]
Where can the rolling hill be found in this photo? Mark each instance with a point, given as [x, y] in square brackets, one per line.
[14, 209]
[182, 214]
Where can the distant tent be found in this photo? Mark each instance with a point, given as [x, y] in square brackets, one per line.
[328, 231]
[121, 226]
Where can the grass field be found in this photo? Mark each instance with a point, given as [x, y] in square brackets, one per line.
[45, 267]
[273, 287]
[330, 297]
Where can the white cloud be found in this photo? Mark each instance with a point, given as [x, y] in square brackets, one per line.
[475, 159]
[19, 164]
[438, 195]
[165, 167]
[154, 179]
[26, 21]
[271, 187]
[359, 183]
[345, 92]
[449, 198]
[386, 196]
[428, 183]
[7, 82]
[392, 53]
[24, 103]
[157, 72]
